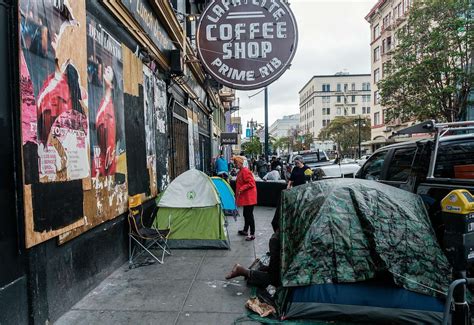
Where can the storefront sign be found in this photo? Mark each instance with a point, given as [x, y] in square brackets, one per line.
[229, 138]
[143, 14]
[247, 44]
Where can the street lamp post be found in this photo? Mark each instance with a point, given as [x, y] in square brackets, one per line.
[358, 124]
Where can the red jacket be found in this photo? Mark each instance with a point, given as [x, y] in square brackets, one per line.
[245, 188]
[106, 137]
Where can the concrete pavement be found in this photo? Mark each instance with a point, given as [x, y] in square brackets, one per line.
[189, 288]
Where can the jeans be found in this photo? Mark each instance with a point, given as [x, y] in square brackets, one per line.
[249, 219]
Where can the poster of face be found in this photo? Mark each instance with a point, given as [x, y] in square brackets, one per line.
[105, 86]
[55, 131]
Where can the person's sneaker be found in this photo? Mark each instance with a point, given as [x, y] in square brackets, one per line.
[249, 238]
[242, 233]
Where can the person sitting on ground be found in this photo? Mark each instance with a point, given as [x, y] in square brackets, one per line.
[273, 175]
[266, 276]
[300, 173]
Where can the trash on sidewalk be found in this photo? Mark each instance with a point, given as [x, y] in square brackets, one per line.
[261, 308]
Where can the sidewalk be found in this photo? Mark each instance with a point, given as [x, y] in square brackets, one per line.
[189, 288]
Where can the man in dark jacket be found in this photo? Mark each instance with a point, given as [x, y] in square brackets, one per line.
[261, 167]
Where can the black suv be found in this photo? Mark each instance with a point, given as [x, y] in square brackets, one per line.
[406, 166]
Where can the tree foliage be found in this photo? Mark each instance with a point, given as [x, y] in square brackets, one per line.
[252, 147]
[302, 142]
[430, 74]
[282, 143]
[344, 131]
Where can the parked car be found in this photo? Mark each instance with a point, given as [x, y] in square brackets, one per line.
[312, 158]
[363, 159]
[407, 166]
[336, 171]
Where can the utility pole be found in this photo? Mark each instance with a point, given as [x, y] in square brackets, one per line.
[359, 120]
[266, 124]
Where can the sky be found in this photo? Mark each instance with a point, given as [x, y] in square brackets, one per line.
[333, 36]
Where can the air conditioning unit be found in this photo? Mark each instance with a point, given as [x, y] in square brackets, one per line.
[176, 63]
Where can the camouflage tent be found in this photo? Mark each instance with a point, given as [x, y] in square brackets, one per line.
[350, 230]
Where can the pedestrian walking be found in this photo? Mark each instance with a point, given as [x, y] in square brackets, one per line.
[300, 173]
[274, 163]
[246, 197]
[262, 167]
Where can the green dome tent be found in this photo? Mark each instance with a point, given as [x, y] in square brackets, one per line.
[193, 207]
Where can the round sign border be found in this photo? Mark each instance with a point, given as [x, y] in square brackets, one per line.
[253, 86]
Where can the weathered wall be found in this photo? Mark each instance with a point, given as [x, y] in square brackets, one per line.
[13, 292]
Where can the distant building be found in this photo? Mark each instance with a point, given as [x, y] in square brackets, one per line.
[385, 18]
[325, 97]
[236, 122]
[281, 127]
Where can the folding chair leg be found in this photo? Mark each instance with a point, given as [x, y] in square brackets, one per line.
[130, 253]
[148, 251]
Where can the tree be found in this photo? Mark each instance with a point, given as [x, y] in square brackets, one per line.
[430, 75]
[303, 142]
[344, 131]
[252, 147]
[282, 143]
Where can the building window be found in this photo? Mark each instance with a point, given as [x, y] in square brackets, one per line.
[377, 54]
[387, 20]
[353, 87]
[368, 110]
[326, 99]
[346, 87]
[376, 32]
[328, 111]
[353, 98]
[338, 99]
[353, 110]
[326, 87]
[376, 98]
[338, 87]
[366, 86]
[397, 12]
[406, 5]
[364, 111]
[345, 100]
[376, 75]
[338, 111]
[345, 111]
[377, 118]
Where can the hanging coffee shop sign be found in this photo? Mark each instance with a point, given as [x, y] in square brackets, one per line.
[247, 44]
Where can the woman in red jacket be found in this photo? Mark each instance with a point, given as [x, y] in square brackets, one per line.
[246, 196]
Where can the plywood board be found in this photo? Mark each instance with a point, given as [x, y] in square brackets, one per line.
[33, 237]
